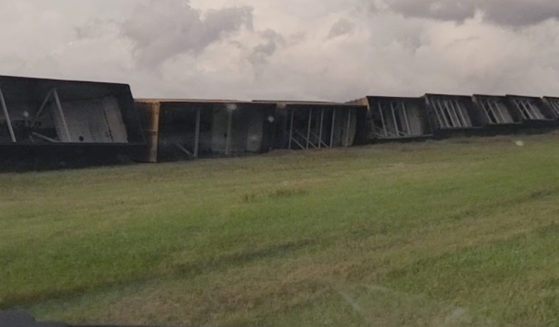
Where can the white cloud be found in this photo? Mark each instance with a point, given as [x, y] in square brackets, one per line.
[160, 30]
[314, 49]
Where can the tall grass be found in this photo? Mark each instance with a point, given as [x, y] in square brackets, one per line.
[457, 232]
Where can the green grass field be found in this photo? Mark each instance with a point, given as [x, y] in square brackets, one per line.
[459, 232]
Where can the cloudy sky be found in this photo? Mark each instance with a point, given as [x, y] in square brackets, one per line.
[287, 49]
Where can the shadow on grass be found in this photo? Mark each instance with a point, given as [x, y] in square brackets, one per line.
[187, 270]
[244, 257]
[289, 191]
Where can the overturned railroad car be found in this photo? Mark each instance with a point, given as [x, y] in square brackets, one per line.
[553, 105]
[190, 129]
[497, 115]
[533, 111]
[316, 125]
[453, 114]
[396, 118]
[46, 123]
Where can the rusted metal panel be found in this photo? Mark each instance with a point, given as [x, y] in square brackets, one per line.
[188, 129]
[150, 117]
[45, 113]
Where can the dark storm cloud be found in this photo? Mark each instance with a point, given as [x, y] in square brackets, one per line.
[503, 12]
[261, 52]
[520, 12]
[341, 27]
[161, 30]
[437, 9]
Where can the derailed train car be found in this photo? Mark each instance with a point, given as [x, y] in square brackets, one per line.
[534, 112]
[453, 115]
[314, 125]
[497, 114]
[48, 123]
[552, 104]
[396, 118]
[190, 129]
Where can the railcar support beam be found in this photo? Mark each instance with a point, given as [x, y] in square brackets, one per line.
[308, 141]
[7, 115]
[396, 128]
[321, 126]
[406, 119]
[309, 128]
[348, 137]
[320, 142]
[333, 130]
[382, 120]
[229, 131]
[197, 134]
[291, 130]
[298, 144]
[184, 150]
[438, 115]
[54, 94]
[62, 117]
[42, 107]
[43, 137]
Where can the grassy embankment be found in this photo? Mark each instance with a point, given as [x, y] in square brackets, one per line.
[457, 232]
